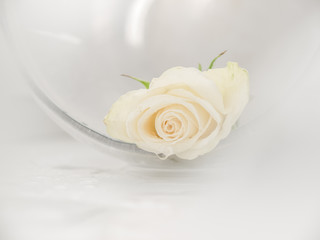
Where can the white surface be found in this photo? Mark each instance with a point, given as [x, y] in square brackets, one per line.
[52, 187]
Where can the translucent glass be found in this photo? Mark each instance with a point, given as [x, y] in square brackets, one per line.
[73, 52]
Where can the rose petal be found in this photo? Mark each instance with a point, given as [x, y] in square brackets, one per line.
[233, 83]
[138, 121]
[118, 114]
[179, 118]
[195, 80]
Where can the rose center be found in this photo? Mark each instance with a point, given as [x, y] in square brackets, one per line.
[171, 126]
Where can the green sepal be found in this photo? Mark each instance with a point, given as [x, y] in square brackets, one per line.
[146, 84]
[211, 64]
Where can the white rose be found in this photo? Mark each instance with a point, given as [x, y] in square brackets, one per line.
[185, 112]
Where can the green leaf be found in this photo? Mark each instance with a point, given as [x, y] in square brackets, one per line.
[146, 84]
[200, 67]
[211, 64]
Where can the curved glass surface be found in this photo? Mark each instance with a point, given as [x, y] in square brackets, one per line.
[73, 52]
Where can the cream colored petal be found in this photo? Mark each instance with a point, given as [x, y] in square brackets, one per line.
[196, 145]
[194, 80]
[183, 123]
[209, 135]
[204, 107]
[202, 146]
[233, 83]
[150, 106]
[115, 120]
[139, 120]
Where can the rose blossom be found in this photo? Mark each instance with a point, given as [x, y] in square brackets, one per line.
[185, 111]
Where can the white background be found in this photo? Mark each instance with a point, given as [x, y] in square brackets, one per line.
[52, 187]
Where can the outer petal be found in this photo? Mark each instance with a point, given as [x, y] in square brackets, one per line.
[233, 83]
[195, 80]
[118, 114]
